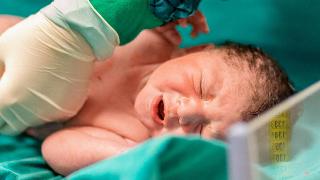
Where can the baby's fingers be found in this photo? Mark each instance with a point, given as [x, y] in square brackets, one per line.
[199, 24]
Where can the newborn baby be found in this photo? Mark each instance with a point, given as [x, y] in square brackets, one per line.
[151, 87]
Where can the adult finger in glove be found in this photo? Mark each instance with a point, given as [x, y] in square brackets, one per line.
[47, 59]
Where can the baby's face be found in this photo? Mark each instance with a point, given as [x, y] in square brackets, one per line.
[194, 94]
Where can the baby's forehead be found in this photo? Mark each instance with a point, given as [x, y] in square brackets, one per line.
[234, 81]
[219, 72]
[220, 61]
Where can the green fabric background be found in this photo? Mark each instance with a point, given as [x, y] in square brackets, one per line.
[288, 30]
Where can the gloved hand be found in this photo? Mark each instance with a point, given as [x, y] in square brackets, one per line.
[45, 73]
[47, 59]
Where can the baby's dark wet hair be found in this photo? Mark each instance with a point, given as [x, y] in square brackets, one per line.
[269, 83]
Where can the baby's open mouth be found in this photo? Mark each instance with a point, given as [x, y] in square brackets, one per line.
[161, 110]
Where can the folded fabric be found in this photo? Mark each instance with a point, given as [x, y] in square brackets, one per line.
[20, 158]
[162, 158]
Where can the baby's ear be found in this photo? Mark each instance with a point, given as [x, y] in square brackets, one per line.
[8, 21]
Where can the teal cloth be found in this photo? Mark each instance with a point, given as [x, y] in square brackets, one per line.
[128, 18]
[286, 29]
[20, 158]
[164, 158]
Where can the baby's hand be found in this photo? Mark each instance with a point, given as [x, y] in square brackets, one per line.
[162, 43]
[198, 22]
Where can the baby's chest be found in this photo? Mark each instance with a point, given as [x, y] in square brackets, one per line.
[121, 121]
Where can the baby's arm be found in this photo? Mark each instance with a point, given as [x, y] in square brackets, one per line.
[76, 147]
[159, 44]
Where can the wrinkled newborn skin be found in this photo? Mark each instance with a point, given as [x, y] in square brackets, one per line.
[149, 88]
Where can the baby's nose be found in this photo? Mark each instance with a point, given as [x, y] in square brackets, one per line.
[191, 124]
[189, 107]
[191, 115]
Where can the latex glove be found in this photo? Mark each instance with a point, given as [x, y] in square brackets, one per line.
[46, 70]
[46, 65]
